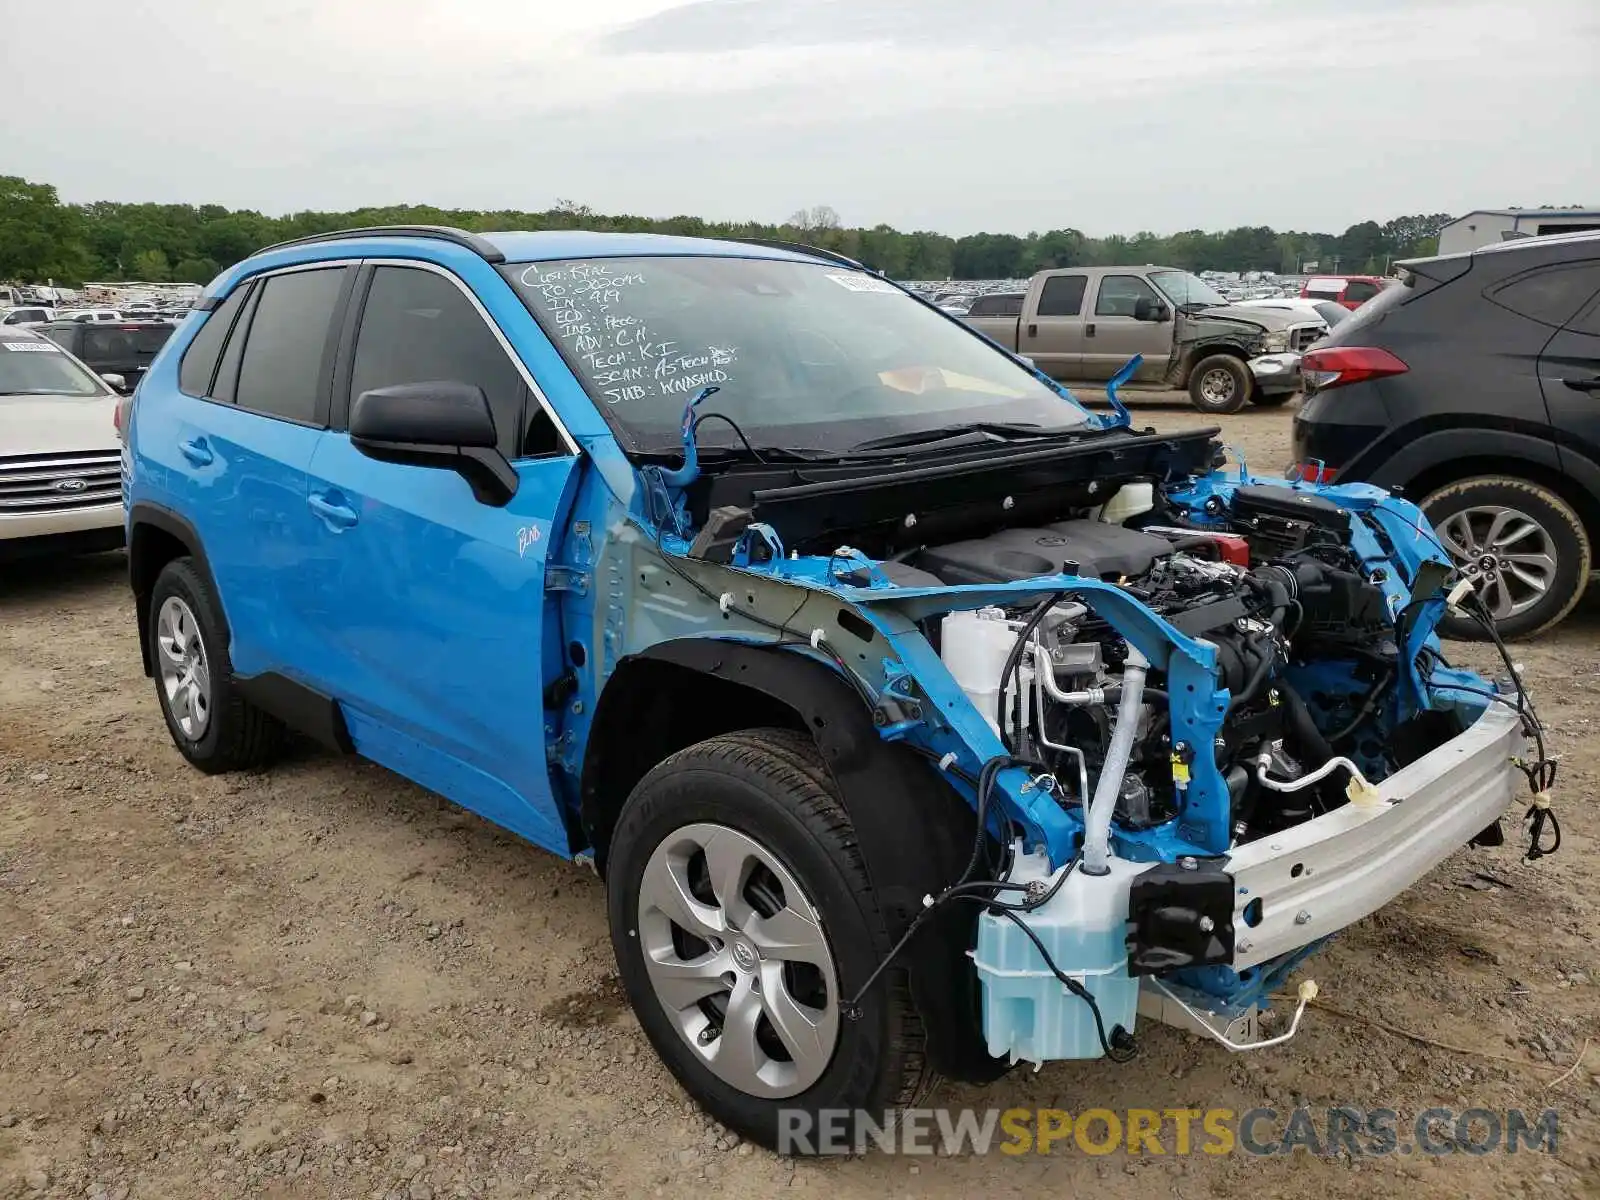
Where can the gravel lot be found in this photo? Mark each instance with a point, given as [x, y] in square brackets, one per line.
[323, 981]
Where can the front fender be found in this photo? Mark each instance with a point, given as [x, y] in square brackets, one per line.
[914, 831]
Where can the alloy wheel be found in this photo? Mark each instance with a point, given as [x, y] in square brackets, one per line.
[1509, 557]
[185, 673]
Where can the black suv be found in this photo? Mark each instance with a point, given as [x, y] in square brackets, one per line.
[1475, 387]
[122, 348]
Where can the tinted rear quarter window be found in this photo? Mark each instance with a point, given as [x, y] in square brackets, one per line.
[287, 345]
[1549, 295]
[199, 363]
[1062, 296]
[1359, 290]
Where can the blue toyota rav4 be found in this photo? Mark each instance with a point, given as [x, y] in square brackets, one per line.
[920, 720]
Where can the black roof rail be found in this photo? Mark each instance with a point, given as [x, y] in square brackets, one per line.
[483, 248]
[802, 248]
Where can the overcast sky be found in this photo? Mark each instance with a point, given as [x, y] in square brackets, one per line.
[954, 115]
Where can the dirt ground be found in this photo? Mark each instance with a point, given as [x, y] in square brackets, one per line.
[323, 981]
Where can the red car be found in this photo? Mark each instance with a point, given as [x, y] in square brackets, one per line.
[1352, 291]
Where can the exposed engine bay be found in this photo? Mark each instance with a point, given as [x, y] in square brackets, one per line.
[1203, 717]
[1263, 604]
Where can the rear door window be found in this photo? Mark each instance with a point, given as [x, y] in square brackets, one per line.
[1359, 291]
[288, 348]
[1062, 296]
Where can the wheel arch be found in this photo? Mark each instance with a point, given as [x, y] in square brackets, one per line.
[157, 536]
[1424, 465]
[1195, 355]
[915, 832]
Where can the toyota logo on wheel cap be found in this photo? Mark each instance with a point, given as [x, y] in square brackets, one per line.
[70, 485]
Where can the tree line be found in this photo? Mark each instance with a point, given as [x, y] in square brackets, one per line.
[43, 239]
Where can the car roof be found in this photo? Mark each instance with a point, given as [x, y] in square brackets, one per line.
[1539, 241]
[1522, 245]
[517, 246]
[577, 243]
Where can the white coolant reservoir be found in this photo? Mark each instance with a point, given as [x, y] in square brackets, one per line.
[1131, 500]
[1029, 1015]
[974, 646]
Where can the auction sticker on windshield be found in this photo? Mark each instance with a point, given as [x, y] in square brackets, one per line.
[36, 347]
[857, 282]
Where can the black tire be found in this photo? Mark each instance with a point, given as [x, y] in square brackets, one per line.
[771, 786]
[1204, 393]
[236, 734]
[1562, 531]
[1270, 399]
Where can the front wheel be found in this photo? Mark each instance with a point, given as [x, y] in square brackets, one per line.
[742, 917]
[1220, 384]
[1270, 399]
[1524, 549]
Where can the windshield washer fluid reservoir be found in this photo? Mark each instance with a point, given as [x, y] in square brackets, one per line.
[974, 646]
[1028, 1014]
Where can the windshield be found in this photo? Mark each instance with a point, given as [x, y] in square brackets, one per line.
[804, 355]
[39, 368]
[1183, 288]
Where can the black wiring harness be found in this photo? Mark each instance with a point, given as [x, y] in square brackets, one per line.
[1541, 773]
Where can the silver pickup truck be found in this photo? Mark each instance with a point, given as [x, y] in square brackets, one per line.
[1081, 324]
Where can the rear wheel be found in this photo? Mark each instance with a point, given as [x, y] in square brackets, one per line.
[211, 723]
[1220, 384]
[742, 918]
[1524, 549]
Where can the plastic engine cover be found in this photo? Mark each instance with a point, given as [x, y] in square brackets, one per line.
[1101, 551]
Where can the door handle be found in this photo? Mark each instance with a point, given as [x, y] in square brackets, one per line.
[196, 451]
[1088, 330]
[1033, 330]
[334, 515]
[1591, 384]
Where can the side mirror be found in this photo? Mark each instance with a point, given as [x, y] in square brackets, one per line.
[116, 382]
[1149, 310]
[446, 425]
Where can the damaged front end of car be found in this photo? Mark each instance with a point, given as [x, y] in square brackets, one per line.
[1202, 716]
